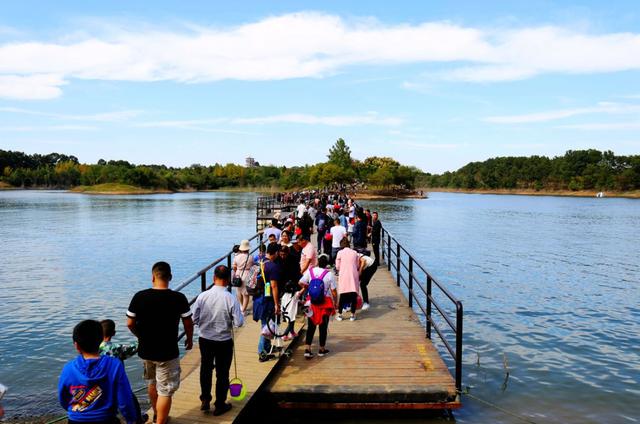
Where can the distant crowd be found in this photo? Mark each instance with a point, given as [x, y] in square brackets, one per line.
[313, 262]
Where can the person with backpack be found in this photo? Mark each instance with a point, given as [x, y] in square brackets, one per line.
[320, 285]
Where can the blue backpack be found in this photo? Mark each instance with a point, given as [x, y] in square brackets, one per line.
[316, 287]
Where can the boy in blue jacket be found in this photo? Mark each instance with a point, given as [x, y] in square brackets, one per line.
[92, 387]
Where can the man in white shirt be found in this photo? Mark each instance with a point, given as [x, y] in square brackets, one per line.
[312, 212]
[301, 209]
[216, 311]
[338, 232]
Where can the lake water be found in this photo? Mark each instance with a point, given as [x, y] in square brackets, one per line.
[551, 284]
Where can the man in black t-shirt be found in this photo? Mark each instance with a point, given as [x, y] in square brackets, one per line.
[154, 316]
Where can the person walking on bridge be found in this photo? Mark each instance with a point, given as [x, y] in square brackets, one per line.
[376, 229]
[153, 317]
[324, 307]
[347, 263]
[215, 312]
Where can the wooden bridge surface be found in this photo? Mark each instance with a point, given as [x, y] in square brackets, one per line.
[380, 361]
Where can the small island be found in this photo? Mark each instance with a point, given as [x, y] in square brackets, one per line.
[115, 189]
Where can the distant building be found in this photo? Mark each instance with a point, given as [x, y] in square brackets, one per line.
[251, 163]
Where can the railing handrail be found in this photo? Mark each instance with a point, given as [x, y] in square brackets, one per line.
[386, 238]
[192, 278]
[202, 274]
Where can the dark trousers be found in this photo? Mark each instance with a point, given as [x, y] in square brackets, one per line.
[311, 331]
[218, 354]
[376, 253]
[348, 299]
[321, 239]
[365, 278]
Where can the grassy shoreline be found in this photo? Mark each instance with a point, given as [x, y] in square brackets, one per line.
[124, 189]
[529, 192]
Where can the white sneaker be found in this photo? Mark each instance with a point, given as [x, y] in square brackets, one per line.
[365, 306]
[353, 318]
[338, 317]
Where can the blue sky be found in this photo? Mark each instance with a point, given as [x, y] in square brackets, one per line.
[432, 84]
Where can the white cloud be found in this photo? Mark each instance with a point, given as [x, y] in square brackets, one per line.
[491, 73]
[31, 87]
[303, 45]
[552, 115]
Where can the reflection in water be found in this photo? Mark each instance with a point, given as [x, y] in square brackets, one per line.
[549, 285]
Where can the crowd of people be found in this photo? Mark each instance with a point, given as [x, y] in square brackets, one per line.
[288, 275]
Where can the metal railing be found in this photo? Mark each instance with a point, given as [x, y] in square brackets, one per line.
[399, 258]
[202, 274]
[266, 206]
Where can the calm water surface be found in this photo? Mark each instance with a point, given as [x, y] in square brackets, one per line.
[550, 287]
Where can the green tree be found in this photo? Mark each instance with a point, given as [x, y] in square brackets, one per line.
[382, 177]
[340, 154]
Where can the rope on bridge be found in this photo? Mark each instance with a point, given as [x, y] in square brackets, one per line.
[499, 408]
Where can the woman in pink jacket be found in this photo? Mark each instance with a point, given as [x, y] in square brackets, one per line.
[347, 263]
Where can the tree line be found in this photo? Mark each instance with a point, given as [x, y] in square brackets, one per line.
[576, 170]
[61, 171]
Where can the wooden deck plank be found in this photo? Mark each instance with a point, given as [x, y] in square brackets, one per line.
[381, 358]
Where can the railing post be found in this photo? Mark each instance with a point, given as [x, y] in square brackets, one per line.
[382, 244]
[398, 267]
[411, 281]
[203, 281]
[428, 306]
[459, 345]
[229, 268]
[388, 252]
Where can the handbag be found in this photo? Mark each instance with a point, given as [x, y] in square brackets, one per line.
[236, 281]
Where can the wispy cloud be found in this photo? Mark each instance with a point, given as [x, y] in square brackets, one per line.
[553, 115]
[47, 128]
[371, 118]
[114, 116]
[333, 121]
[611, 126]
[303, 45]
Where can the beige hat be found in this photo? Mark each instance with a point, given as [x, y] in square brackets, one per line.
[245, 246]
